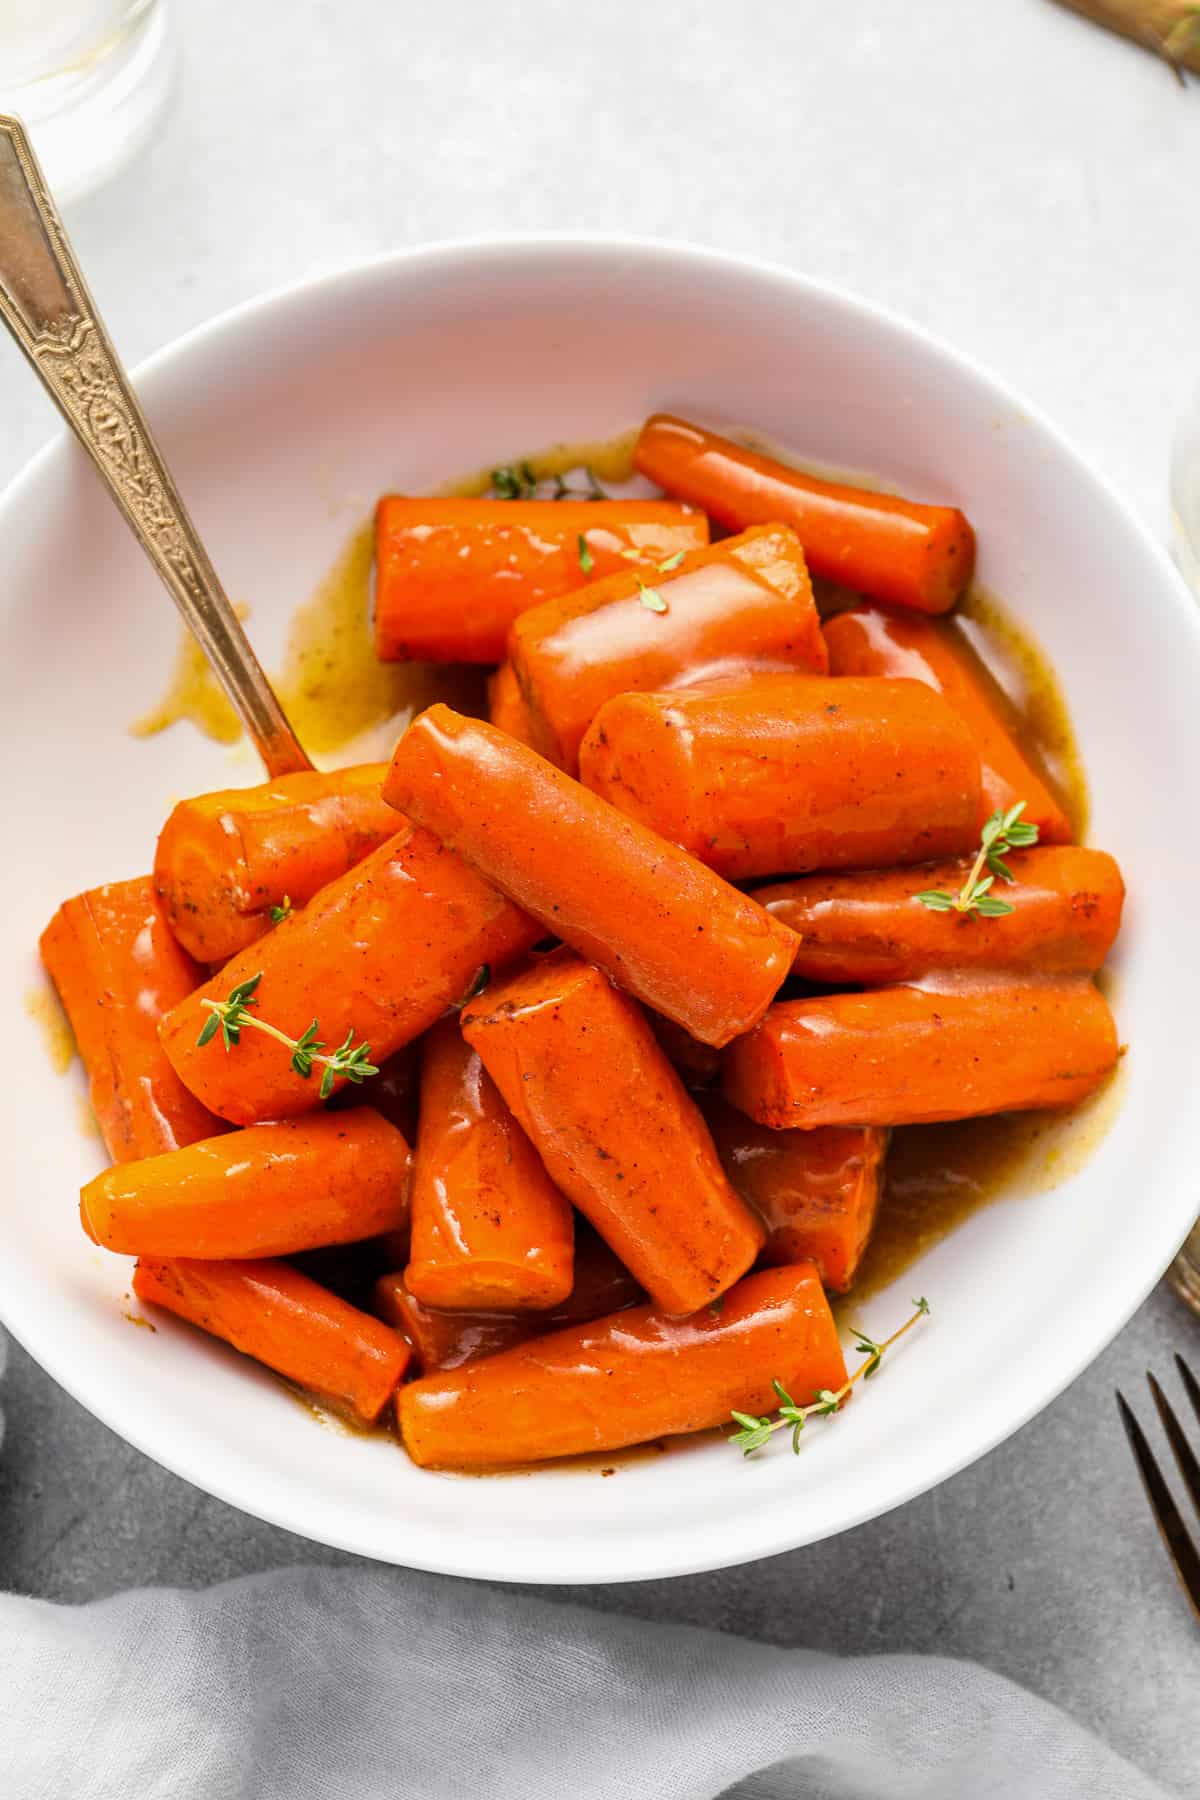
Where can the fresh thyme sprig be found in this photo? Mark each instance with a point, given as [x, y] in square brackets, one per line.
[519, 481]
[1003, 832]
[756, 1432]
[232, 1016]
[283, 911]
[587, 561]
[650, 597]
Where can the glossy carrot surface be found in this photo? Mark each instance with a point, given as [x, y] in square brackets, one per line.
[273, 1313]
[270, 1190]
[629, 1378]
[901, 551]
[581, 1069]
[381, 952]
[489, 1228]
[785, 773]
[446, 1340]
[745, 603]
[225, 860]
[911, 1055]
[868, 641]
[660, 923]
[868, 927]
[817, 1192]
[118, 969]
[451, 575]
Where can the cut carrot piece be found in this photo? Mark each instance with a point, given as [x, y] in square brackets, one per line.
[901, 551]
[275, 1314]
[629, 1378]
[869, 927]
[452, 575]
[489, 1228]
[582, 1070]
[271, 1190]
[867, 641]
[225, 860]
[118, 969]
[743, 604]
[817, 1192]
[660, 923]
[380, 953]
[784, 773]
[910, 1056]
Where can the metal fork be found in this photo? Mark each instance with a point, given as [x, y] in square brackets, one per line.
[1181, 1546]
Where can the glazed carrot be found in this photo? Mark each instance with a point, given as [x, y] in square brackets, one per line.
[867, 641]
[507, 710]
[816, 1192]
[629, 1378]
[268, 1191]
[781, 773]
[452, 575]
[277, 1315]
[662, 925]
[745, 603]
[912, 1055]
[610, 1118]
[446, 1340]
[901, 551]
[225, 859]
[868, 927]
[117, 968]
[489, 1228]
[380, 952]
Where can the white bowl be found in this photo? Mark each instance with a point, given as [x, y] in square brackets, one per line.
[283, 421]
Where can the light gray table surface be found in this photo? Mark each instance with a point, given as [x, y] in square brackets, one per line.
[1013, 179]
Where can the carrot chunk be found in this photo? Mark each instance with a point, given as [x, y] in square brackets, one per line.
[660, 923]
[452, 575]
[270, 1190]
[610, 1118]
[118, 969]
[626, 1379]
[273, 1313]
[901, 551]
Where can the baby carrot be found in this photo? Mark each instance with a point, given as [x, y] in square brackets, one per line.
[610, 1118]
[912, 1055]
[380, 953]
[446, 1340]
[900, 551]
[273, 1313]
[785, 773]
[507, 709]
[868, 927]
[270, 1190]
[867, 641]
[225, 861]
[489, 1228]
[662, 925]
[743, 604]
[452, 575]
[117, 968]
[816, 1192]
[626, 1379]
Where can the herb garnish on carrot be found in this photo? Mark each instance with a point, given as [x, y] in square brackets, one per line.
[230, 1016]
[1004, 831]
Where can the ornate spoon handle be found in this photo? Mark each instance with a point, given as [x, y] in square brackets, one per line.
[46, 305]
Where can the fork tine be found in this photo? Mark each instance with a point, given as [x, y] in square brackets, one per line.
[1180, 1548]
[1185, 1456]
[1191, 1386]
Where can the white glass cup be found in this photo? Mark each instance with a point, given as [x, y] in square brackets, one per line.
[88, 78]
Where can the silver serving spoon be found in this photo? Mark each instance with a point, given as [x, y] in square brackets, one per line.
[46, 305]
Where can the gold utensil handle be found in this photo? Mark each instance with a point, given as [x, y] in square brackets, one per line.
[45, 303]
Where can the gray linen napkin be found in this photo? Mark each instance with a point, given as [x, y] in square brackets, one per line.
[349, 1685]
